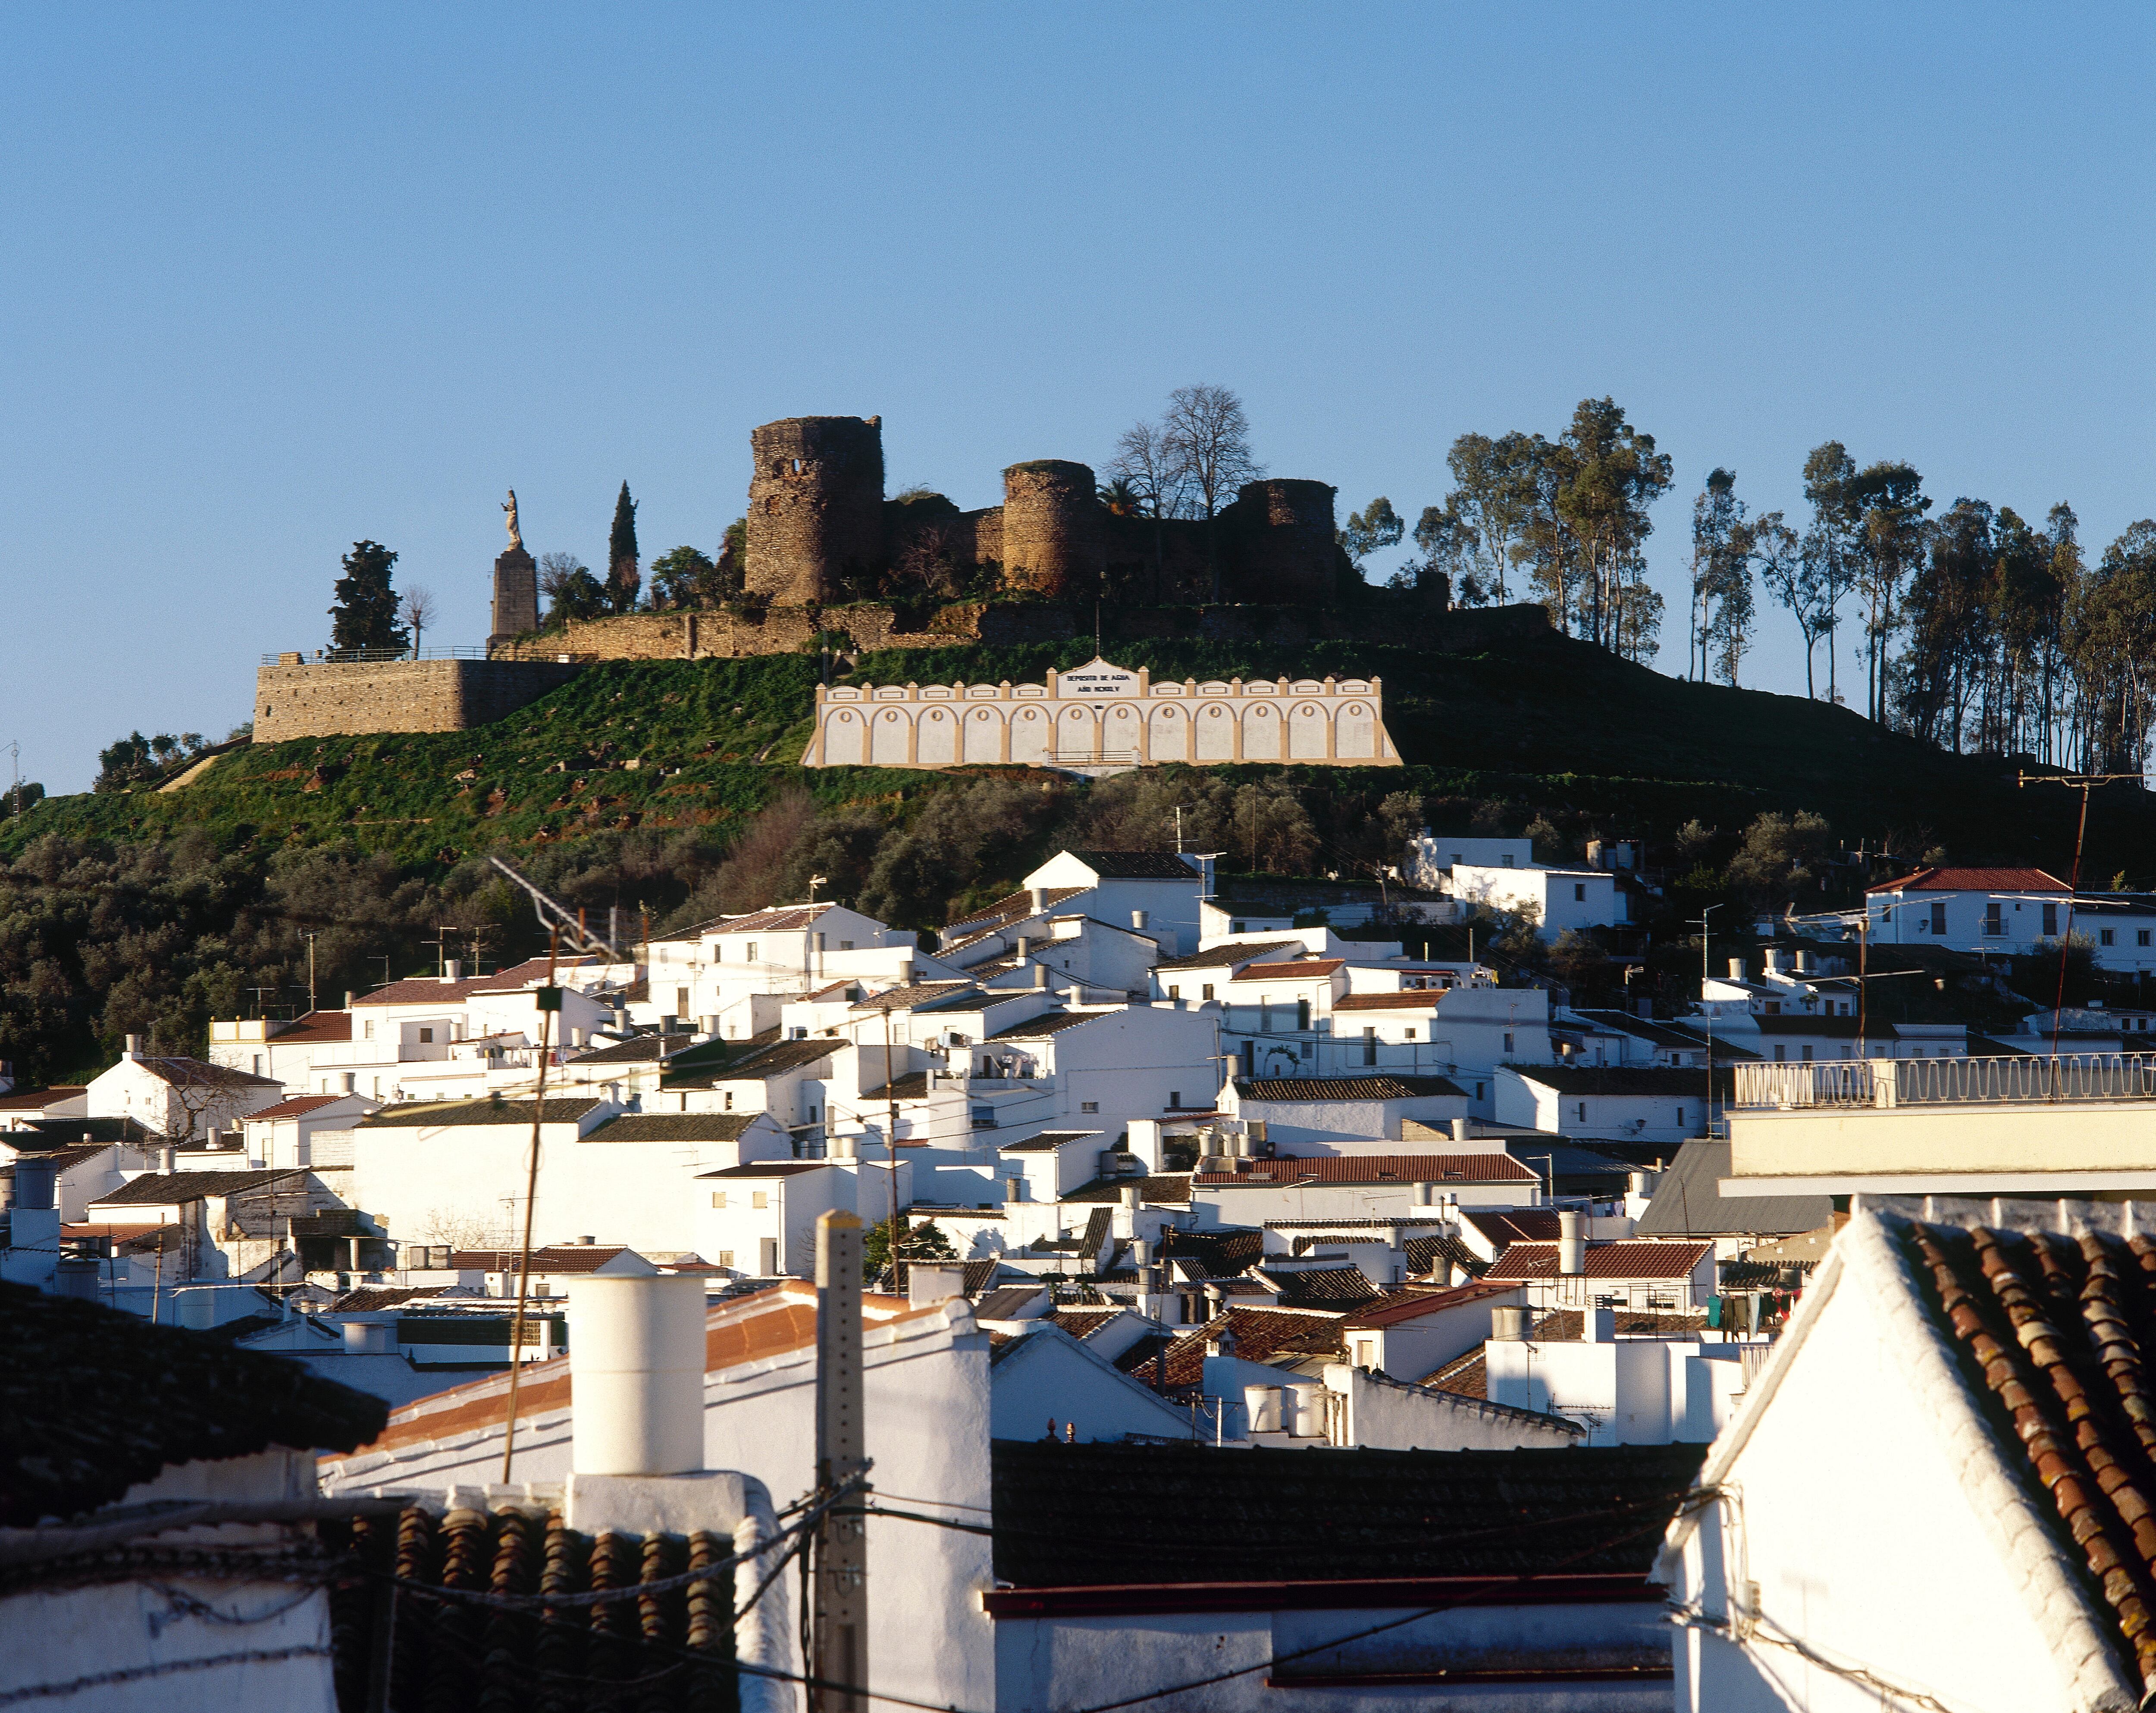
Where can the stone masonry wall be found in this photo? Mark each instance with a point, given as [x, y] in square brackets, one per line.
[299, 698]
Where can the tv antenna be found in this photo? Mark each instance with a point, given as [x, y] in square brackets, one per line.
[555, 917]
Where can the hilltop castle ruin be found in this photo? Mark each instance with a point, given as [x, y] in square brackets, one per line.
[820, 530]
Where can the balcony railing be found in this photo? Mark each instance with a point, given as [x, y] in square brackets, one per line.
[2022, 1079]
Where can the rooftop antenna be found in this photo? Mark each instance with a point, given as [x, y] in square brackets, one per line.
[15, 769]
[555, 919]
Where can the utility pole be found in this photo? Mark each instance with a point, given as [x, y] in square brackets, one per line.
[311, 972]
[2084, 781]
[839, 1661]
[1705, 941]
[890, 1147]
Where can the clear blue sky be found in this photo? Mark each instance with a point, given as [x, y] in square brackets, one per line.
[280, 278]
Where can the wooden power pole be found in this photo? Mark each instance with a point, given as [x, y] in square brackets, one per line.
[840, 1636]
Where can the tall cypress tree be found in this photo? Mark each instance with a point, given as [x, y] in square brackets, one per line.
[622, 580]
[366, 609]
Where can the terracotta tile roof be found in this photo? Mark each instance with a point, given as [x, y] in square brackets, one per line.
[184, 1072]
[1302, 970]
[1229, 956]
[430, 989]
[1136, 865]
[641, 1050]
[1372, 1087]
[1513, 1225]
[313, 1028]
[1373, 1169]
[782, 919]
[1426, 1254]
[1411, 1305]
[1102, 1515]
[1408, 998]
[1225, 1251]
[92, 1400]
[166, 1189]
[1166, 1190]
[1321, 1286]
[453, 1654]
[1626, 1258]
[1050, 1023]
[298, 1107]
[750, 1329]
[913, 1086]
[554, 1257]
[447, 1114]
[1047, 1141]
[1649, 1080]
[1083, 1323]
[1261, 1336]
[776, 1059]
[36, 1099]
[673, 1127]
[1973, 880]
[1012, 907]
[900, 999]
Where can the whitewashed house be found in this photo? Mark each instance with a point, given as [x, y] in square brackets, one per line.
[178, 1097]
[1561, 899]
[1617, 1103]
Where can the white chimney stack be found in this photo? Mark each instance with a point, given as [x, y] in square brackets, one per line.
[453, 970]
[1571, 1243]
[637, 1390]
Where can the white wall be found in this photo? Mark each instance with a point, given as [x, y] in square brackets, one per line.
[1052, 1374]
[1389, 1415]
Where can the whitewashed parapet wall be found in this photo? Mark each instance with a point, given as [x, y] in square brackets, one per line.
[1103, 718]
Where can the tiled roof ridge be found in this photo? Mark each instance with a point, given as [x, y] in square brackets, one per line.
[1871, 1249]
[2101, 1482]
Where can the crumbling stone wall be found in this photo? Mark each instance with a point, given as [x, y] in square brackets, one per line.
[1055, 543]
[302, 698]
[1285, 544]
[816, 507]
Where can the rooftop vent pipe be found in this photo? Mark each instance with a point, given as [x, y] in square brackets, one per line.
[1460, 1130]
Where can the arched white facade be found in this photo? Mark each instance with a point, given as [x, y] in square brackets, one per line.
[1103, 718]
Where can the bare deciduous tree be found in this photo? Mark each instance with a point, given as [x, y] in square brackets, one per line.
[419, 611]
[1207, 436]
[1145, 463]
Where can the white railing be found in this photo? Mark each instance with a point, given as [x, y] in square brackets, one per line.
[2021, 1077]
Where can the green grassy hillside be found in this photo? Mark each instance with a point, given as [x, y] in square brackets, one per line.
[1549, 726]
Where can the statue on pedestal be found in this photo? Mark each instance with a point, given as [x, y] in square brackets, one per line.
[516, 539]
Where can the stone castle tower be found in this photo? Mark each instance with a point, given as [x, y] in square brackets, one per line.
[816, 507]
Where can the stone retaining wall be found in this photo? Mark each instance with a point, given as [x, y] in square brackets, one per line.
[301, 699]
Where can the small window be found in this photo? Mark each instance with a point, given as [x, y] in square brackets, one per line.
[1089, 1106]
[728, 1097]
[718, 1198]
[749, 955]
[681, 1001]
[1302, 1015]
[1177, 992]
[1507, 859]
[1807, 1052]
[2106, 937]
[1994, 921]
[1310, 1049]
[1581, 1109]
[2141, 936]
[759, 1198]
[1411, 1035]
[1508, 1041]
[1680, 1116]
[370, 1028]
[1206, 992]
[1369, 1046]
[1939, 916]
[1580, 891]
[819, 944]
[1781, 1052]
[726, 1258]
[812, 1110]
[2051, 919]
[1237, 928]
[1478, 1091]
[800, 1033]
[1175, 1099]
[426, 1037]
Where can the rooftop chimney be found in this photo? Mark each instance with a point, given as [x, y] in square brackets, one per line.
[453, 970]
[637, 1390]
[1571, 1243]
[347, 998]
[134, 1047]
[1736, 969]
[1025, 945]
[1139, 920]
[1460, 1130]
[1037, 900]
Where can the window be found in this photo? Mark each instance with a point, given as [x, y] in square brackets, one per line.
[1175, 1099]
[1174, 992]
[845, 945]
[1369, 1046]
[819, 945]
[1237, 928]
[1309, 1049]
[729, 1098]
[1478, 1091]
[1411, 1035]
[759, 1198]
[1781, 1052]
[258, 1064]
[2051, 919]
[812, 1110]
[984, 1118]
[799, 1033]
[1680, 1116]
[2106, 937]
[1507, 859]
[1993, 922]
[718, 1198]
[681, 1001]
[1580, 891]
[2141, 936]
[749, 956]
[1508, 1041]
[1808, 1053]
[1582, 1111]
[1849, 1052]
[1265, 1016]
[1089, 1106]
[1302, 1014]
[370, 1028]
[1250, 1058]
[1939, 916]
[426, 1037]
[1206, 992]
[726, 1258]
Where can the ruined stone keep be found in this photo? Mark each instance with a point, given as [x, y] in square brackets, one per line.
[820, 530]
